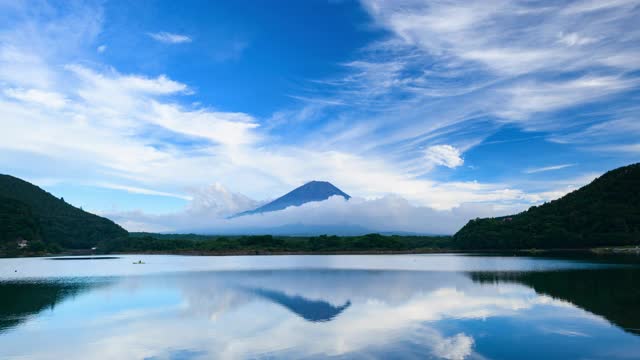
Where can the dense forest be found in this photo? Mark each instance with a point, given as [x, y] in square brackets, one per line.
[606, 212]
[145, 242]
[30, 213]
[17, 221]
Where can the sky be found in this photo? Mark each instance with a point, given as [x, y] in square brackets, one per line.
[171, 116]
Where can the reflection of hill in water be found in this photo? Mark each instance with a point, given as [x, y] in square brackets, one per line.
[311, 310]
[19, 300]
[611, 293]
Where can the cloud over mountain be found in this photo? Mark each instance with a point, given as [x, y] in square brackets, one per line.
[211, 207]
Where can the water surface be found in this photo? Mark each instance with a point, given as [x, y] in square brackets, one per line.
[382, 306]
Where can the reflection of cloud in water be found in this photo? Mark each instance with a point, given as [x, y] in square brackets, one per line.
[223, 315]
[456, 347]
[384, 307]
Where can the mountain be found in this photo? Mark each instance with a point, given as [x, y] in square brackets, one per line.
[311, 191]
[30, 213]
[602, 213]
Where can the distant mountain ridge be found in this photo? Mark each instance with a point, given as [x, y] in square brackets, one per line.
[309, 192]
[605, 212]
[30, 213]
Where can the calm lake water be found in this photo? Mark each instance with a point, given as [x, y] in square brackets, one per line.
[275, 307]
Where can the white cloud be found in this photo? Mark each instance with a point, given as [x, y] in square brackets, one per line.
[223, 128]
[625, 148]
[445, 155]
[529, 97]
[101, 48]
[547, 168]
[490, 32]
[40, 97]
[22, 68]
[170, 38]
[215, 202]
[595, 5]
[574, 39]
[114, 81]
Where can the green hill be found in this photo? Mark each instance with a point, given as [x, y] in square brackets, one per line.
[17, 221]
[30, 213]
[605, 212]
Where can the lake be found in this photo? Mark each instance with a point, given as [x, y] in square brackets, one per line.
[437, 306]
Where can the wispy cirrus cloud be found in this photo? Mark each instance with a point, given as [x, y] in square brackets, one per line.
[139, 190]
[169, 38]
[633, 148]
[478, 57]
[547, 168]
[41, 97]
[111, 80]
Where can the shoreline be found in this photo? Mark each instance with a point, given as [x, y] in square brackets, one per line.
[621, 250]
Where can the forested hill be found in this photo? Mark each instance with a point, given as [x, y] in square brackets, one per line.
[605, 212]
[17, 221]
[30, 213]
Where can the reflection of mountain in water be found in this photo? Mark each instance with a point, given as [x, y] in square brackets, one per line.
[311, 310]
[611, 293]
[327, 292]
[19, 300]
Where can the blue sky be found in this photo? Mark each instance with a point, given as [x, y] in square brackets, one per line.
[169, 116]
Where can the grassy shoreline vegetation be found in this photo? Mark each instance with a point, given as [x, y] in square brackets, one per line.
[603, 216]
